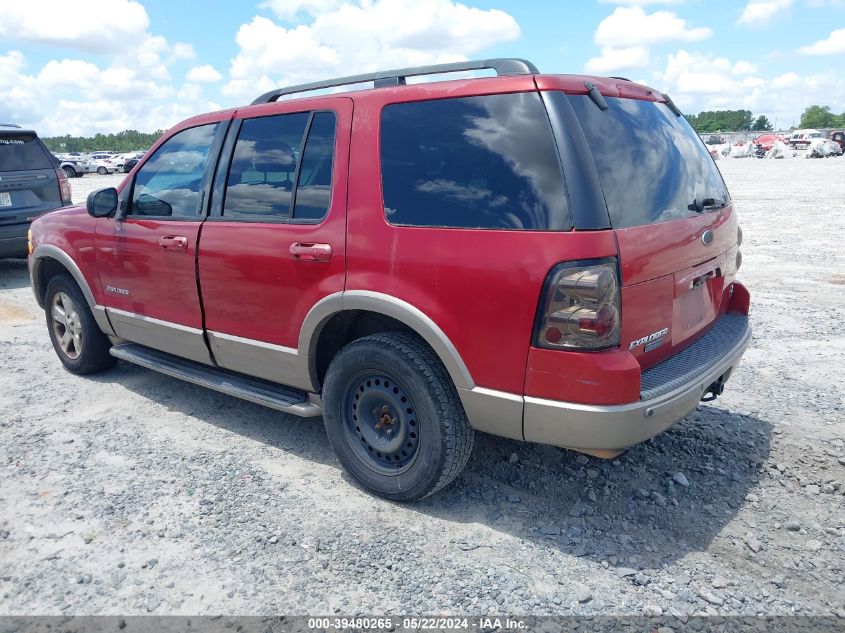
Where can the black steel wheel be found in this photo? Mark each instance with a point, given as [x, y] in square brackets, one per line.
[380, 422]
[393, 416]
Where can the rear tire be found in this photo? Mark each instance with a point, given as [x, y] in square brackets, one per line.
[102, 171]
[410, 436]
[76, 337]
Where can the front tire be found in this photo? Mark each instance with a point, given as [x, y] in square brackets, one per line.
[70, 172]
[102, 171]
[76, 337]
[394, 418]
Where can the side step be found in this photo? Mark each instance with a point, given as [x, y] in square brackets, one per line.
[255, 390]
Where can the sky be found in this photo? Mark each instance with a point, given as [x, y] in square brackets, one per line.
[107, 65]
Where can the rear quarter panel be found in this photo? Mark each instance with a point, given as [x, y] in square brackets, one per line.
[481, 287]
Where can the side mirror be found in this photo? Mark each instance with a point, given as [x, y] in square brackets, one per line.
[102, 203]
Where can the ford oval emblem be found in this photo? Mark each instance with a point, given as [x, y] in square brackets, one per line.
[707, 237]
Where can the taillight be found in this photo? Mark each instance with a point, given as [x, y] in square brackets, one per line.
[580, 307]
[64, 186]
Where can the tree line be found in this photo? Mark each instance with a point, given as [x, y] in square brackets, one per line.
[126, 141]
[815, 116]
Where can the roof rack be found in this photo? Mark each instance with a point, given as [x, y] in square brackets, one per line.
[502, 66]
[14, 125]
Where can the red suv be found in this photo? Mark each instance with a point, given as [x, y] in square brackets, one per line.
[548, 258]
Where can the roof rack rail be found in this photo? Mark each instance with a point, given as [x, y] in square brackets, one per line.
[14, 125]
[502, 66]
[621, 78]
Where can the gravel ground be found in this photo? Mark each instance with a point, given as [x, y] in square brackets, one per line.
[133, 493]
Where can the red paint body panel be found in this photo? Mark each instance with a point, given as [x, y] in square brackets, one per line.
[161, 283]
[72, 231]
[609, 377]
[252, 286]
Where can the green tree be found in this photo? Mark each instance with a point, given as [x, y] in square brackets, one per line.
[817, 116]
[762, 124]
[721, 120]
[125, 141]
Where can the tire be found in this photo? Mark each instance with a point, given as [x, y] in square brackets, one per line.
[70, 172]
[401, 386]
[79, 343]
[102, 171]
[120, 169]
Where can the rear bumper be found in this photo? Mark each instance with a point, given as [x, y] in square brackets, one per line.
[616, 427]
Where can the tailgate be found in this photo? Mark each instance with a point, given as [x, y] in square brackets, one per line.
[673, 220]
[27, 194]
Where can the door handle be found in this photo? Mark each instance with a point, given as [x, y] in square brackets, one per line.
[173, 242]
[311, 252]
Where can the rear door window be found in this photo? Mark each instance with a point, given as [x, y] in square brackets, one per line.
[651, 164]
[281, 168]
[19, 152]
[485, 162]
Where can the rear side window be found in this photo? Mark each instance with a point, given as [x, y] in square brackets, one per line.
[484, 162]
[652, 166]
[279, 163]
[19, 152]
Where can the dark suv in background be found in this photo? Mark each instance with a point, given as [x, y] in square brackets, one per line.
[31, 183]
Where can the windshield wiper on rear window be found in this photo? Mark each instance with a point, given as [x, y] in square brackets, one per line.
[707, 204]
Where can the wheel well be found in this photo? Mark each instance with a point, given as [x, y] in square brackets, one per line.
[47, 269]
[345, 327]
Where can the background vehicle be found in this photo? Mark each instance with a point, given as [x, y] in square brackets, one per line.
[767, 141]
[31, 183]
[801, 139]
[838, 136]
[74, 166]
[467, 288]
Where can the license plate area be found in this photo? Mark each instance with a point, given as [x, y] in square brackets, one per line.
[5, 199]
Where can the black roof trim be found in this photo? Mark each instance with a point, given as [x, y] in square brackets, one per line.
[502, 66]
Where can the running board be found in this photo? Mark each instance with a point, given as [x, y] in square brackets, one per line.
[255, 390]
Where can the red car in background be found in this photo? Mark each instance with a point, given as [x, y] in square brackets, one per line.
[767, 141]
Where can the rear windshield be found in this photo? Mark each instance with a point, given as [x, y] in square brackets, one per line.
[19, 152]
[652, 166]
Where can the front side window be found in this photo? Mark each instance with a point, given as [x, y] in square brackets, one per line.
[169, 183]
[282, 168]
[479, 162]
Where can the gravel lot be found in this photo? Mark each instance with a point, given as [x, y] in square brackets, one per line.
[133, 493]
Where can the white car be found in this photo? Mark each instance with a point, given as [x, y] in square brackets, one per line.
[801, 139]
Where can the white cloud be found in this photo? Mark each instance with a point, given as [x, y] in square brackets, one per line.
[625, 36]
[631, 26]
[700, 82]
[95, 26]
[831, 45]
[289, 9]
[743, 67]
[640, 2]
[205, 74]
[757, 12]
[616, 59]
[360, 36]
